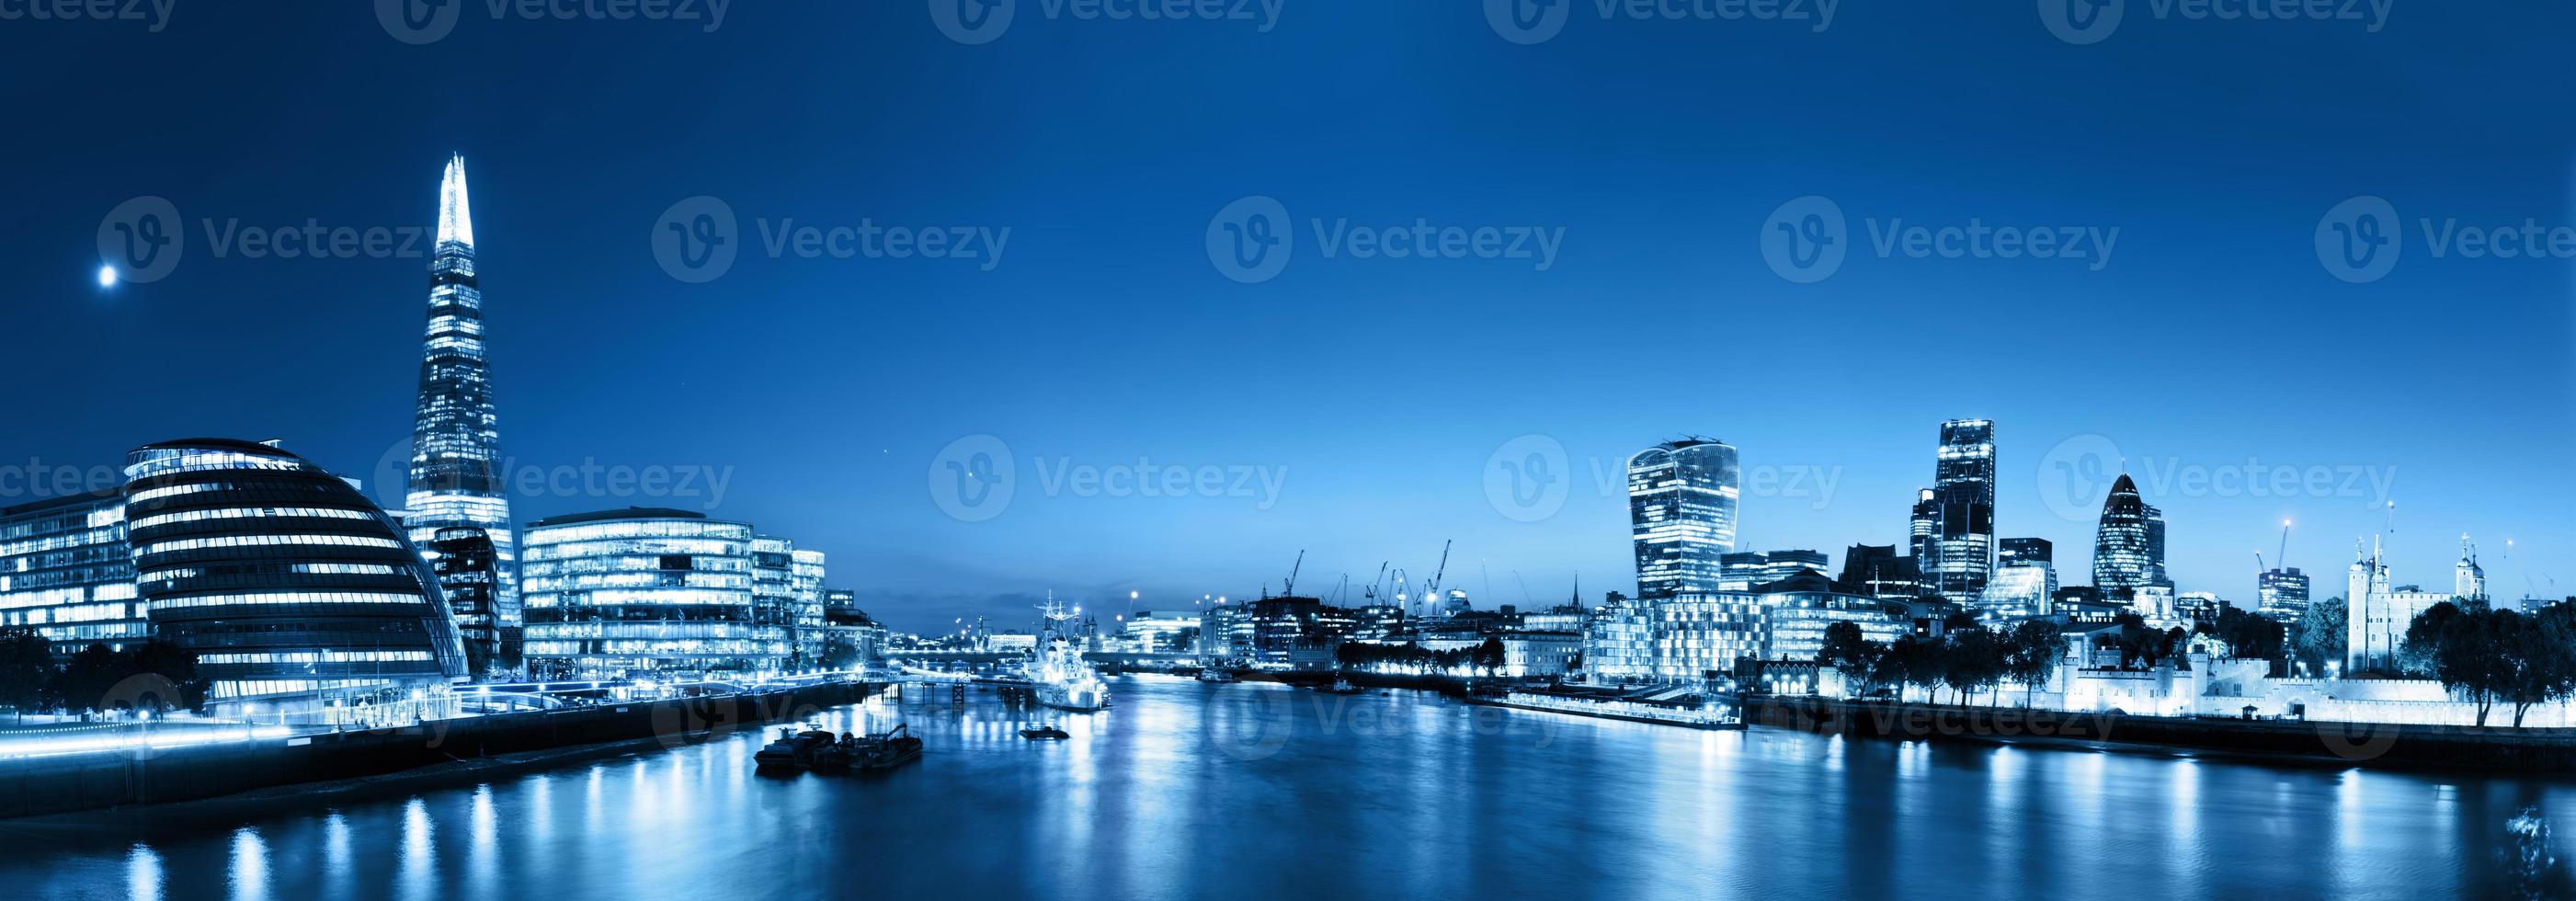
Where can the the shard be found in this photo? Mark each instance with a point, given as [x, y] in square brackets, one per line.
[456, 439]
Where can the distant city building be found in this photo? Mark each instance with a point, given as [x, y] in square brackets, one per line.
[1960, 554]
[2010, 551]
[456, 439]
[1878, 571]
[2024, 581]
[851, 629]
[2128, 547]
[2468, 580]
[1162, 630]
[67, 574]
[1743, 570]
[1682, 499]
[1920, 529]
[2155, 604]
[2282, 595]
[648, 591]
[1794, 622]
[1700, 635]
[291, 587]
[468, 574]
[1619, 640]
[806, 613]
[2198, 606]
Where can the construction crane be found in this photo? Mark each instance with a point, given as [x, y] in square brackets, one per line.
[1289, 588]
[1371, 594]
[1431, 590]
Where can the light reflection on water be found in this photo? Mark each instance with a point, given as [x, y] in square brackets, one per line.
[1253, 790]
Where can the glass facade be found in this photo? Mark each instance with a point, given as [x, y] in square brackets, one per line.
[2281, 595]
[1960, 554]
[67, 574]
[1703, 633]
[2024, 581]
[2127, 552]
[635, 592]
[456, 438]
[1794, 622]
[1681, 506]
[289, 584]
[462, 556]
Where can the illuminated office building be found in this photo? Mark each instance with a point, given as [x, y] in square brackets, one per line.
[1700, 635]
[2128, 549]
[1681, 508]
[289, 585]
[647, 591]
[67, 574]
[2024, 581]
[456, 439]
[463, 558]
[2282, 595]
[1960, 554]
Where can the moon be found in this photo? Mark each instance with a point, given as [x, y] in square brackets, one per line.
[107, 276]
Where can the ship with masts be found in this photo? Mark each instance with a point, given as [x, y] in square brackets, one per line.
[1061, 678]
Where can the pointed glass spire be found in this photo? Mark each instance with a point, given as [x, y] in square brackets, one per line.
[455, 215]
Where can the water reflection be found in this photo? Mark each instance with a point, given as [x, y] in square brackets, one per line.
[1192, 790]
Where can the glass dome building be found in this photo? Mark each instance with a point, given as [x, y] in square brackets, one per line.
[290, 586]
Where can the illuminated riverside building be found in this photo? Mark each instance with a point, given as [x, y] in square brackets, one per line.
[1794, 622]
[647, 591]
[805, 566]
[1619, 640]
[1960, 554]
[1743, 571]
[1700, 635]
[289, 585]
[2128, 548]
[1681, 508]
[67, 574]
[456, 439]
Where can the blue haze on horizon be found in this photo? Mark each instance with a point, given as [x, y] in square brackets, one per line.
[1375, 389]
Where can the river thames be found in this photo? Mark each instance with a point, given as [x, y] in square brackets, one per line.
[1253, 790]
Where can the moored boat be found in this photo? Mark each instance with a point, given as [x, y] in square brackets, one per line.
[1044, 732]
[885, 750]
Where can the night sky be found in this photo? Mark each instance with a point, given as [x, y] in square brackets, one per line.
[1352, 406]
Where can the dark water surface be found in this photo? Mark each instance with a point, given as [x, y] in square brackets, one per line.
[1258, 791]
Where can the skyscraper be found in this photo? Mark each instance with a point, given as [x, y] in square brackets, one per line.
[2024, 580]
[2128, 548]
[456, 439]
[1681, 507]
[1962, 545]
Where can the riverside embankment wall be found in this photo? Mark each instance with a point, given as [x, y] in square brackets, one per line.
[2381, 744]
[57, 784]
